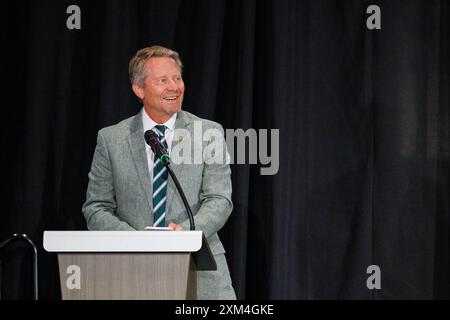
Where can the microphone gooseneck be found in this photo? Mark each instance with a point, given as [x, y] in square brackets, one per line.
[152, 139]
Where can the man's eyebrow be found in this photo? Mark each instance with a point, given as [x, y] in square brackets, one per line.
[166, 76]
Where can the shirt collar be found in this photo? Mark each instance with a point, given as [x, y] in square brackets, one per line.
[149, 124]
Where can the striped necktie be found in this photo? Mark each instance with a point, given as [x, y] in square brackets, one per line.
[160, 176]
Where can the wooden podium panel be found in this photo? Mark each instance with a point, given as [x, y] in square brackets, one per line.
[127, 276]
[131, 265]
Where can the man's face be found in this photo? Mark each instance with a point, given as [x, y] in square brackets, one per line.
[163, 89]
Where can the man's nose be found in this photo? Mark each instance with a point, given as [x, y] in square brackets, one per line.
[172, 85]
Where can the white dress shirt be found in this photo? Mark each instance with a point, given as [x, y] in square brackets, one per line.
[149, 124]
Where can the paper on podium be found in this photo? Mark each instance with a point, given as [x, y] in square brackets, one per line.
[158, 229]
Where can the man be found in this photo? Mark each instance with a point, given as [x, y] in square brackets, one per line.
[129, 190]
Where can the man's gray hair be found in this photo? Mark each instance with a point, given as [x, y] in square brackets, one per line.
[136, 67]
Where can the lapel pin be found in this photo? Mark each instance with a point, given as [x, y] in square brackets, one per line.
[180, 138]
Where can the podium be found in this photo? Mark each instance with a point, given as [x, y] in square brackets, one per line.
[116, 265]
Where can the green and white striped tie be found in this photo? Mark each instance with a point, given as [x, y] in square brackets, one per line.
[160, 176]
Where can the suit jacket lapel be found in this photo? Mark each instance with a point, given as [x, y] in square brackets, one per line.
[181, 123]
[137, 146]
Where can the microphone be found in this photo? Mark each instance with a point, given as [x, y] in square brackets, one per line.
[158, 149]
[160, 152]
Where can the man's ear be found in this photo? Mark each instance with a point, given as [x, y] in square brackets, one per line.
[139, 91]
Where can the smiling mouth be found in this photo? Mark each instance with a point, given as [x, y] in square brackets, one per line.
[171, 99]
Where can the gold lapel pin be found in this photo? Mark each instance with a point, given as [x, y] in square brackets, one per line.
[180, 138]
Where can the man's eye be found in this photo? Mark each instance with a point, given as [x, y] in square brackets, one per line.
[162, 81]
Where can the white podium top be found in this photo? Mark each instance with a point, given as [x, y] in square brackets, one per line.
[122, 241]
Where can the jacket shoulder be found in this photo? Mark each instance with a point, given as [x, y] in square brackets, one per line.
[119, 130]
[205, 122]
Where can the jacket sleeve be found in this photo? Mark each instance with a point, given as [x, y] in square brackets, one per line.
[215, 194]
[100, 206]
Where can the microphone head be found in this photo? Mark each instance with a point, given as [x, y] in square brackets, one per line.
[158, 149]
[150, 137]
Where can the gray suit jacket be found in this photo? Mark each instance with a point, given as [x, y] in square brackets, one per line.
[119, 194]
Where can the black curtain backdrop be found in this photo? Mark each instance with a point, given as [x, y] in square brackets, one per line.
[363, 118]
